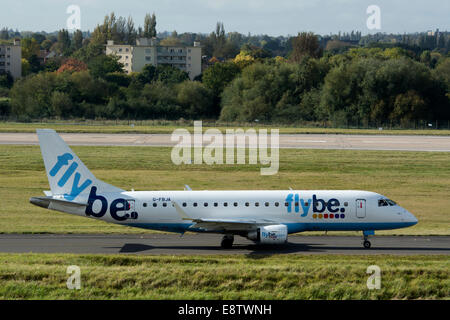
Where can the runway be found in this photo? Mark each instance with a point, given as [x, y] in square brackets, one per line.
[297, 141]
[209, 244]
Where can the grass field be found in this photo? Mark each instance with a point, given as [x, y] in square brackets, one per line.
[168, 127]
[43, 276]
[418, 181]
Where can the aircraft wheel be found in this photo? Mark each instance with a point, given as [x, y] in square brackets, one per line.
[367, 244]
[227, 242]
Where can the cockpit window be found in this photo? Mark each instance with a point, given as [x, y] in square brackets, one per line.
[391, 203]
[386, 202]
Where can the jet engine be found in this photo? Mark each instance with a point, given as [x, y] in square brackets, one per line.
[273, 234]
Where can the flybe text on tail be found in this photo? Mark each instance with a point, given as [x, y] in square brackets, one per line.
[63, 161]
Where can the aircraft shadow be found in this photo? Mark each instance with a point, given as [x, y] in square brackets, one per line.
[254, 249]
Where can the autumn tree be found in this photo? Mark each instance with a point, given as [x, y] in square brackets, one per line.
[72, 65]
[305, 44]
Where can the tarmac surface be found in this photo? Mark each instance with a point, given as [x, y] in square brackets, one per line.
[209, 244]
[297, 141]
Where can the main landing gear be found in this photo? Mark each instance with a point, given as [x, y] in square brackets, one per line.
[227, 241]
[366, 242]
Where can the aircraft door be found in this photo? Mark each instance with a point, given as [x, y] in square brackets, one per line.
[130, 211]
[360, 208]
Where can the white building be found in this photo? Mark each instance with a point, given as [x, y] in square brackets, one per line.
[146, 51]
[11, 59]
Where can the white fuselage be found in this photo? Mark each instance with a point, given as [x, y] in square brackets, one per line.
[299, 210]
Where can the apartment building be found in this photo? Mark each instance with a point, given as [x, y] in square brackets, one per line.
[147, 51]
[11, 59]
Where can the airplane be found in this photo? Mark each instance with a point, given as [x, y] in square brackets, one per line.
[263, 216]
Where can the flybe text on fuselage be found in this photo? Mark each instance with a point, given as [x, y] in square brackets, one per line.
[117, 209]
[294, 202]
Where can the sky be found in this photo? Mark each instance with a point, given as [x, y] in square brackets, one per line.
[272, 17]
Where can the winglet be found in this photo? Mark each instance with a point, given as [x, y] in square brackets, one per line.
[181, 212]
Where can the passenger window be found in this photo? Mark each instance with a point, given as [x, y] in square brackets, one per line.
[345, 204]
[256, 204]
[277, 204]
[247, 204]
[195, 204]
[144, 204]
[235, 204]
[215, 204]
[205, 204]
[296, 204]
[164, 204]
[225, 204]
[266, 204]
[286, 204]
[184, 204]
[154, 204]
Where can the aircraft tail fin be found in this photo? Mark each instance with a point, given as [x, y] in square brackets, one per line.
[66, 173]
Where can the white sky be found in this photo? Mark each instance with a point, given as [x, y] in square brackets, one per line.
[273, 17]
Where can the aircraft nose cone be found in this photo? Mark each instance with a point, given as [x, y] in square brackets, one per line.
[411, 218]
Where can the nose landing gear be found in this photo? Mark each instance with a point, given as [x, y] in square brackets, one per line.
[366, 242]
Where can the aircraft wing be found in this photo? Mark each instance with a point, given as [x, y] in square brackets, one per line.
[223, 224]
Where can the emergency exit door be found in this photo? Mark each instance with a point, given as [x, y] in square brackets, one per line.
[360, 208]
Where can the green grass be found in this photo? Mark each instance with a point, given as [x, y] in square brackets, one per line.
[418, 181]
[43, 276]
[161, 126]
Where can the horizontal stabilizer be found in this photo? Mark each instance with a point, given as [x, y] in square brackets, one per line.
[45, 202]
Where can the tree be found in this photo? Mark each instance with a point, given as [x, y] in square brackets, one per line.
[4, 34]
[77, 40]
[30, 97]
[170, 75]
[195, 99]
[6, 80]
[153, 26]
[61, 104]
[101, 65]
[442, 72]
[38, 37]
[46, 44]
[30, 47]
[130, 37]
[149, 26]
[72, 65]
[409, 106]
[147, 74]
[172, 40]
[63, 43]
[305, 44]
[219, 75]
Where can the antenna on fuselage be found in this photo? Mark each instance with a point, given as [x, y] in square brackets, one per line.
[187, 188]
